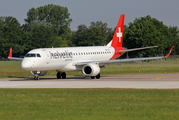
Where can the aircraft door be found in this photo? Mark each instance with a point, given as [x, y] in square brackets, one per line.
[47, 55]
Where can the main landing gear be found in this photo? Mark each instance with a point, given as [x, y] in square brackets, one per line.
[61, 75]
[97, 76]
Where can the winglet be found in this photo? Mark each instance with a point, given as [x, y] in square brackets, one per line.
[170, 51]
[10, 53]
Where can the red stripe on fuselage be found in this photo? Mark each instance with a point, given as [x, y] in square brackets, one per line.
[117, 53]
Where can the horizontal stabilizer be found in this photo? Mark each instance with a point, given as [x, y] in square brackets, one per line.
[134, 49]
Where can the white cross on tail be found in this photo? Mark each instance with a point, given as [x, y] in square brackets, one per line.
[119, 34]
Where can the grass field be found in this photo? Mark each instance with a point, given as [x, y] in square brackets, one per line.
[13, 68]
[89, 104]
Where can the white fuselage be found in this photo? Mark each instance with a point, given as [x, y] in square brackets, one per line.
[63, 59]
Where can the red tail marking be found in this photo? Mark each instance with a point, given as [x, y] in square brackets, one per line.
[10, 53]
[118, 38]
[118, 35]
[170, 51]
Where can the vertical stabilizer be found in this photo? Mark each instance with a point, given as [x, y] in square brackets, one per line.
[118, 35]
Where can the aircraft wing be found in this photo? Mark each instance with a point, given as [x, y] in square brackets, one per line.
[124, 60]
[13, 58]
[118, 60]
[130, 59]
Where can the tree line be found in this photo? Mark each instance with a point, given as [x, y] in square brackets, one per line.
[49, 26]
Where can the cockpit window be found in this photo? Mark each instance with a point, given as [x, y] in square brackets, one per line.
[38, 55]
[32, 55]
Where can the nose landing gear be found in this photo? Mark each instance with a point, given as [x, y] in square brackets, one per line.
[36, 77]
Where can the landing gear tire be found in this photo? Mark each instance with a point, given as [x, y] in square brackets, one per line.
[92, 77]
[98, 76]
[58, 75]
[63, 75]
[36, 78]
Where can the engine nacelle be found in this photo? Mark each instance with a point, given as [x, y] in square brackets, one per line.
[40, 73]
[91, 69]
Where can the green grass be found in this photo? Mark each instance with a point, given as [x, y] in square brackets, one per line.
[158, 66]
[13, 68]
[80, 104]
[88, 104]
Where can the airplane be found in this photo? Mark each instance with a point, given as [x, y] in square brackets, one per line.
[89, 60]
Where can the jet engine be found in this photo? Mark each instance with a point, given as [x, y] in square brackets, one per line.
[39, 73]
[91, 69]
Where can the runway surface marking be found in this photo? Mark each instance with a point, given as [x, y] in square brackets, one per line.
[163, 78]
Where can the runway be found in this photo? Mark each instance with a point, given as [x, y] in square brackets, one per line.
[136, 81]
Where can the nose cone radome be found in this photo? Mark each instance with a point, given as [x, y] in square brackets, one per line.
[26, 65]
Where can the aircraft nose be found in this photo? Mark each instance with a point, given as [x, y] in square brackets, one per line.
[26, 65]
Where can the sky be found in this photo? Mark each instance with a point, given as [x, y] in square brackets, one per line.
[109, 11]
